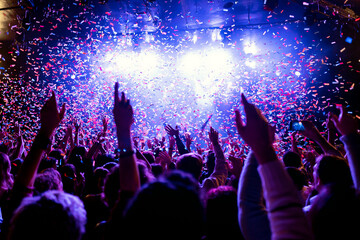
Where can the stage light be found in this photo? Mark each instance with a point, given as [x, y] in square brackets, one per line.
[190, 62]
[250, 63]
[297, 73]
[194, 38]
[250, 48]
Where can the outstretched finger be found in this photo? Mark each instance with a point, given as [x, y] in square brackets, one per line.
[122, 100]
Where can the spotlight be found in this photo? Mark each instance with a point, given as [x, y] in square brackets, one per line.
[270, 5]
[251, 64]
[250, 48]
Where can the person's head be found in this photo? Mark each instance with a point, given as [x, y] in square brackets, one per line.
[99, 178]
[68, 176]
[48, 179]
[58, 154]
[47, 162]
[298, 177]
[331, 169]
[222, 213]
[145, 173]
[149, 155]
[292, 159]
[112, 186]
[169, 207]
[335, 214]
[15, 166]
[6, 178]
[156, 169]
[52, 215]
[5, 147]
[103, 159]
[190, 163]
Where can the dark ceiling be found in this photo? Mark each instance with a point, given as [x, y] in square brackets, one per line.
[146, 15]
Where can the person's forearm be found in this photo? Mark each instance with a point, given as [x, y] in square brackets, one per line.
[326, 146]
[29, 168]
[294, 147]
[331, 134]
[180, 145]
[18, 150]
[128, 170]
[219, 157]
[252, 211]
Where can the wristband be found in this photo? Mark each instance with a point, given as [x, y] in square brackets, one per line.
[124, 152]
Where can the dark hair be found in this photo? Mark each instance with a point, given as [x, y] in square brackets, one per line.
[47, 162]
[149, 155]
[334, 170]
[221, 203]
[335, 214]
[298, 177]
[292, 159]
[170, 204]
[190, 163]
[52, 215]
[49, 179]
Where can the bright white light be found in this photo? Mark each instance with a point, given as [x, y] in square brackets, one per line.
[251, 64]
[190, 62]
[297, 73]
[250, 48]
[147, 37]
[147, 61]
[277, 73]
[214, 36]
[195, 38]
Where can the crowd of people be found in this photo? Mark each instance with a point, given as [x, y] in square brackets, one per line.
[168, 189]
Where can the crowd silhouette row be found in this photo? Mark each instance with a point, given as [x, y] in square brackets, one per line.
[167, 189]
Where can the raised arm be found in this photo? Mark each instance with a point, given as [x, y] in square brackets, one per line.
[287, 220]
[50, 118]
[123, 116]
[220, 170]
[313, 133]
[252, 209]
[175, 133]
[19, 148]
[348, 127]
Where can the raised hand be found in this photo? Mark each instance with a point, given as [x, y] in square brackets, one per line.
[344, 123]
[213, 136]
[171, 131]
[256, 131]
[123, 111]
[236, 166]
[50, 116]
[77, 125]
[310, 130]
[188, 140]
[105, 122]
